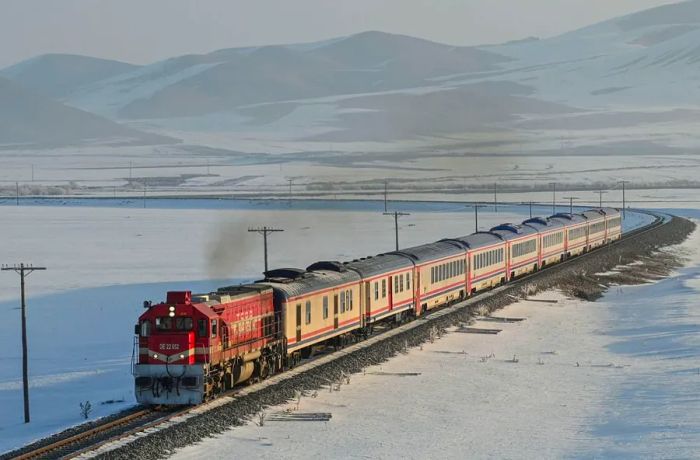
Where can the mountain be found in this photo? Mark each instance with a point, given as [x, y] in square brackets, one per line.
[58, 75]
[640, 61]
[31, 120]
[227, 79]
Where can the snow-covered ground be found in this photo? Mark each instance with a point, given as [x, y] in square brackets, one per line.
[103, 261]
[611, 379]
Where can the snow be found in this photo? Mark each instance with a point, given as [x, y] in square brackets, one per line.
[617, 379]
[104, 261]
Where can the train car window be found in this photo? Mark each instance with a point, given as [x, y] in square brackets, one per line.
[308, 312]
[342, 302]
[213, 328]
[376, 290]
[183, 324]
[164, 323]
[396, 284]
[350, 299]
[201, 328]
[145, 328]
[383, 288]
[325, 306]
[408, 281]
[432, 274]
[400, 277]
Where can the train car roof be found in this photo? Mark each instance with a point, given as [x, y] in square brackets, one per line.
[568, 219]
[303, 282]
[379, 264]
[431, 251]
[610, 211]
[543, 223]
[479, 240]
[593, 214]
[513, 231]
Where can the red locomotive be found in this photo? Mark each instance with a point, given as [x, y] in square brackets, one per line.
[191, 348]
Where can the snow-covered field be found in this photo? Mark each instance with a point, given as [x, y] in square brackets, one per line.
[104, 261]
[611, 379]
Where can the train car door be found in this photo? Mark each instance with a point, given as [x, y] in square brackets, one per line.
[391, 293]
[335, 311]
[368, 307]
[416, 290]
[298, 323]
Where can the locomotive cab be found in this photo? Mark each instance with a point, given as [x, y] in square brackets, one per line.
[173, 340]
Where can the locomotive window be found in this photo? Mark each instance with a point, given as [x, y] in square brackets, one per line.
[183, 324]
[145, 328]
[325, 306]
[213, 328]
[201, 328]
[308, 312]
[164, 323]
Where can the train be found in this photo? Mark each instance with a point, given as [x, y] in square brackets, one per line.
[192, 347]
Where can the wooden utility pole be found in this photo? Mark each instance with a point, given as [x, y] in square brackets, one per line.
[264, 231]
[571, 203]
[600, 200]
[495, 197]
[624, 204]
[396, 215]
[476, 207]
[554, 197]
[386, 194]
[23, 271]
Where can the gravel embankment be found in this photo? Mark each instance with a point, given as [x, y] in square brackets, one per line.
[576, 278]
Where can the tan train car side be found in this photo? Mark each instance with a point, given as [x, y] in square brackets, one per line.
[441, 272]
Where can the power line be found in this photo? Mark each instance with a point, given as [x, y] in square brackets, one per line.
[396, 215]
[23, 271]
[264, 231]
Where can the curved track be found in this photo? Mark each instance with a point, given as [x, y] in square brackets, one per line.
[81, 440]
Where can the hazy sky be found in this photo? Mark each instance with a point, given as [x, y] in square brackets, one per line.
[141, 31]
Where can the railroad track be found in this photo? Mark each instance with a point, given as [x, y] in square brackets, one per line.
[94, 436]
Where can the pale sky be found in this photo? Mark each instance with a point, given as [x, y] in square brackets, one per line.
[142, 31]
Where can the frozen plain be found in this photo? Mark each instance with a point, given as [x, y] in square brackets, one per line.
[104, 261]
[615, 378]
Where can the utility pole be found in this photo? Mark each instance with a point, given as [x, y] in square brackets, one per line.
[290, 191]
[571, 203]
[495, 197]
[386, 194]
[264, 231]
[600, 201]
[476, 207]
[23, 271]
[554, 197]
[17, 185]
[396, 215]
[529, 203]
[624, 204]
